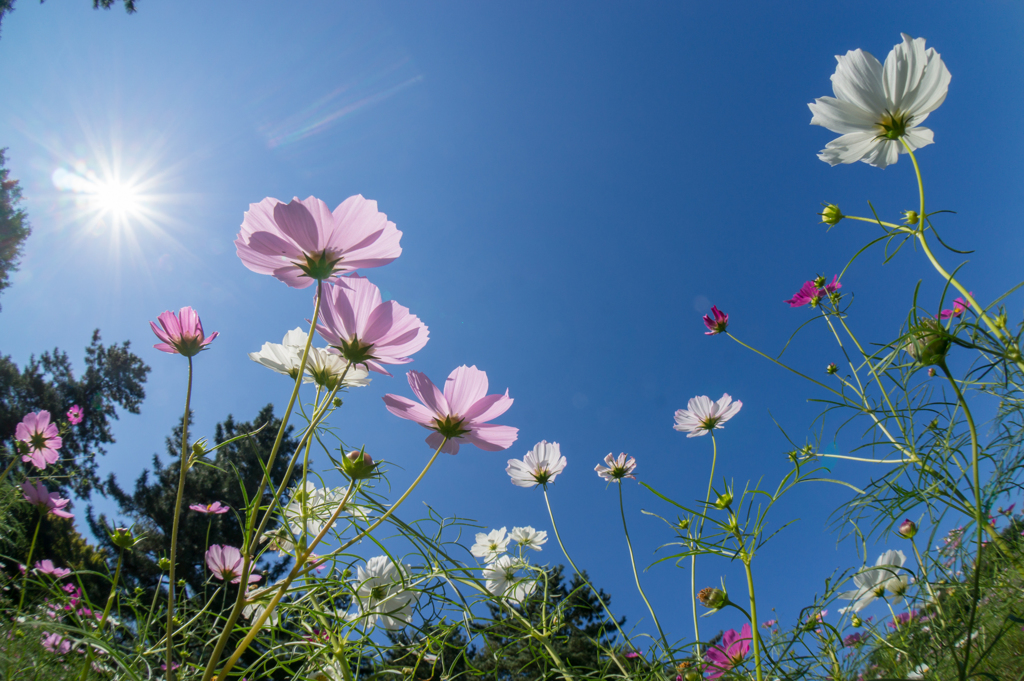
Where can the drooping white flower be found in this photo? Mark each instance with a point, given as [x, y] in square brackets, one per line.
[871, 582]
[326, 368]
[540, 466]
[919, 671]
[616, 468]
[382, 594]
[702, 415]
[875, 105]
[529, 538]
[490, 545]
[898, 586]
[509, 579]
[284, 357]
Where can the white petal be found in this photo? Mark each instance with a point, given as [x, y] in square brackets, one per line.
[841, 117]
[850, 148]
[918, 137]
[858, 80]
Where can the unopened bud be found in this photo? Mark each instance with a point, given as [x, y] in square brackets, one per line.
[358, 465]
[164, 564]
[911, 217]
[908, 528]
[856, 621]
[139, 591]
[1000, 320]
[346, 573]
[337, 402]
[683, 524]
[691, 676]
[181, 583]
[831, 368]
[931, 372]
[927, 343]
[820, 281]
[713, 598]
[122, 538]
[723, 501]
[831, 215]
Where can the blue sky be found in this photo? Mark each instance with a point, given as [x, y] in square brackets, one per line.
[576, 183]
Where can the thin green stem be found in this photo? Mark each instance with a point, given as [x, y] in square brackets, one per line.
[558, 537]
[7, 470]
[693, 558]
[753, 621]
[106, 611]
[182, 475]
[784, 366]
[636, 576]
[28, 563]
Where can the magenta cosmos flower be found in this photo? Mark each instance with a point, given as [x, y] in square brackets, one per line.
[735, 646]
[182, 333]
[75, 415]
[216, 508]
[959, 305]
[702, 415]
[717, 324]
[616, 468]
[225, 562]
[813, 291]
[366, 330]
[36, 431]
[460, 414]
[47, 567]
[303, 241]
[46, 500]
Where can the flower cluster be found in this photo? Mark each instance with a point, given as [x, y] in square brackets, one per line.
[812, 292]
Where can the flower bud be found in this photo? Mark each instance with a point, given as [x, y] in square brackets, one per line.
[724, 500]
[358, 465]
[182, 583]
[683, 524]
[911, 217]
[691, 676]
[831, 368]
[927, 343]
[908, 528]
[856, 621]
[713, 598]
[337, 402]
[164, 564]
[831, 215]
[139, 591]
[122, 538]
[820, 281]
[931, 372]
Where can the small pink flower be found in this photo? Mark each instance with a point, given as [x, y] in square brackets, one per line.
[716, 325]
[364, 329]
[225, 562]
[46, 500]
[769, 624]
[47, 567]
[56, 643]
[959, 305]
[75, 415]
[460, 414]
[811, 292]
[182, 333]
[632, 655]
[735, 646]
[616, 468]
[216, 508]
[42, 439]
[303, 241]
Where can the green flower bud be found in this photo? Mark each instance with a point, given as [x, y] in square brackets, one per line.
[683, 524]
[820, 281]
[856, 621]
[713, 598]
[164, 564]
[724, 500]
[927, 343]
[337, 402]
[911, 217]
[122, 538]
[908, 528]
[831, 215]
[358, 465]
[182, 583]
[831, 368]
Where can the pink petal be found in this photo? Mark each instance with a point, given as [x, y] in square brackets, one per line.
[464, 387]
[488, 408]
[429, 394]
[491, 437]
[405, 408]
[297, 221]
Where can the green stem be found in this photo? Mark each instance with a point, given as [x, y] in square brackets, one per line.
[693, 558]
[755, 639]
[106, 611]
[7, 470]
[787, 368]
[625, 639]
[28, 563]
[632, 562]
[250, 542]
[182, 475]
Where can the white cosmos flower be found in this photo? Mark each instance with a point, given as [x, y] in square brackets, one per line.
[382, 594]
[540, 466]
[509, 579]
[325, 369]
[702, 415]
[284, 357]
[616, 468]
[306, 515]
[490, 545]
[529, 538]
[875, 105]
[919, 671]
[871, 582]
[898, 586]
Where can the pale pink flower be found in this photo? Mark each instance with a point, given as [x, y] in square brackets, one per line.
[225, 562]
[75, 415]
[42, 439]
[182, 333]
[216, 508]
[703, 415]
[47, 567]
[540, 466]
[959, 305]
[460, 414]
[56, 643]
[734, 647]
[46, 500]
[616, 468]
[364, 329]
[303, 241]
[717, 324]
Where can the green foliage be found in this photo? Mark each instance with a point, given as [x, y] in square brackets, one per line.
[14, 227]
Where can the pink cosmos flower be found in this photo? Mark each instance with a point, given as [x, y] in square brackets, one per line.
[47, 567]
[303, 241]
[42, 439]
[768, 624]
[959, 305]
[225, 562]
[56, 643]
[735, 646]
[460, 414]
[75, 415]
[216, 508]
[365, 330]
[46, 500]
[182, 334]
[813, 291]
[716, 325]
[702, 415]
[616, 468]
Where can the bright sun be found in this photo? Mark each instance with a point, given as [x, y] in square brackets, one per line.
[114, 197]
